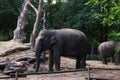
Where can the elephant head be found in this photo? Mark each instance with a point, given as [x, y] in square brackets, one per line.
[44, 41]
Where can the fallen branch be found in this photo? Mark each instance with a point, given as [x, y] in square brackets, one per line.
[10, 50]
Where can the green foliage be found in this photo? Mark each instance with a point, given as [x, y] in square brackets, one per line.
[98, 19]
[110, 10]
[4, 37]
[78, 14]
[96, 57]
[114, 35]
[109, 15]
[9, 10]
[117, 48]
[75, 14]
[53, 19]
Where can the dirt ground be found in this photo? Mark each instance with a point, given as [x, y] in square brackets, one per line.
[67, 64]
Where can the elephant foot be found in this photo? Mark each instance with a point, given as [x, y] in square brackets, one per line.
[50, 70]
[80, 67]
[57, 69]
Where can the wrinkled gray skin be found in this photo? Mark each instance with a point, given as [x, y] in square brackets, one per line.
[108, 49]
[61, 42]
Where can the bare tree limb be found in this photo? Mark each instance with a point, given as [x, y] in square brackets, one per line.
[33, 7]
[36, 25]
[45, 19]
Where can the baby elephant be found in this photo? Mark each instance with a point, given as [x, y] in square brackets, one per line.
[108, 49]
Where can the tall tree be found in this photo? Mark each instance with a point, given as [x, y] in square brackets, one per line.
[109, 15]
[21, 23]
[36, 24]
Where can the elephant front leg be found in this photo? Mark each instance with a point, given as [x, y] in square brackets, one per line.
[51, 62]
[43, 57]
[57, 61]
[37, 65]
[57, 49]
[83, 62]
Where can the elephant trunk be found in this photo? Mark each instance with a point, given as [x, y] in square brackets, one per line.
[37, 61]
[38, 51]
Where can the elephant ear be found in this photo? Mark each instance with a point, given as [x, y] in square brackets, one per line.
[53, 40]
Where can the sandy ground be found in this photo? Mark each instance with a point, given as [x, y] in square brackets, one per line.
[67, 64]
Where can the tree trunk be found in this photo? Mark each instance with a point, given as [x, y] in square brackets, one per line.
[36, 25]
[45, 20]
[19, 33]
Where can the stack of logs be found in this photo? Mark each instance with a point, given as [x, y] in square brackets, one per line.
[20, 65]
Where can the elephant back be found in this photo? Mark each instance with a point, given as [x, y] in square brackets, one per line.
[107, 48]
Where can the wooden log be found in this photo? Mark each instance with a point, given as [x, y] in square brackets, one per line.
[13, 67]
[30, 60]
[53, 72]
[10, 50]
[2, 66]
[96, 79]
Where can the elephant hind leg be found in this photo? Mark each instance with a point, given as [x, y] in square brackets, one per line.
[78, 65]
[83, 62]
[104, 60]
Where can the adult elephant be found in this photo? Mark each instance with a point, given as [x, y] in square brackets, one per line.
[61, 42]
[108, 49]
